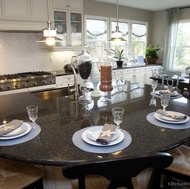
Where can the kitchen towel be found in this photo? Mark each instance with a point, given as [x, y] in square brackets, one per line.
[106, 134]
[11, 126]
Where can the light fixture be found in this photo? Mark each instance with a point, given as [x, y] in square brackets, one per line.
[117, 35]
[49, 33]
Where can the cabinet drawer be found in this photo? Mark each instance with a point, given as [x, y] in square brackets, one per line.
[139, 70]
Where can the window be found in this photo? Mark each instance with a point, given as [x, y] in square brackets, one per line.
[182, 53]
[138, 38]
[96, 36]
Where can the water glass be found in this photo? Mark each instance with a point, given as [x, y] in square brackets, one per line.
[117, 113]
[154, 84]
[164, 97]
[32, 111]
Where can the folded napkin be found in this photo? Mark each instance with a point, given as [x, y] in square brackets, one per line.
[9, 127]
[171, 115]
[106, 134]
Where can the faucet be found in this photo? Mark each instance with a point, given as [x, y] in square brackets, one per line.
[75, 89]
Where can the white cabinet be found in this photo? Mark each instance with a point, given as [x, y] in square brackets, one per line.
[129, 74]
[117, 74]
[39, 10]
[68, 4]
[148, 74]
[17, 9]
[140, 75]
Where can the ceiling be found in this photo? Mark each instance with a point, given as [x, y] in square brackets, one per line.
[150, 5]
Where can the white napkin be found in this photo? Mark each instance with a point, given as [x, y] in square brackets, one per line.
[11, 126]
[106, 134]
[171, 115]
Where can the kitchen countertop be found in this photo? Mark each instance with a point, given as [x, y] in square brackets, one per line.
[60, 117]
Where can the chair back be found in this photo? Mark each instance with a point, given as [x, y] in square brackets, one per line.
[119, 171]
[170, 78]
[157, 71]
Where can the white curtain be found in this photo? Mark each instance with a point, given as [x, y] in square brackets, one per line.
[170, 38]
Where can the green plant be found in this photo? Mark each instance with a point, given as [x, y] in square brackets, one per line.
[118, 54]
[151, 50]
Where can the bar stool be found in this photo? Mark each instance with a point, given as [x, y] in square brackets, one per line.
[18, 175]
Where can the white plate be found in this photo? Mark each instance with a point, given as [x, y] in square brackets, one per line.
[170, 120]
[114, 142]
[17, 131]
[27, 130]
[172, 94]
[94, 132]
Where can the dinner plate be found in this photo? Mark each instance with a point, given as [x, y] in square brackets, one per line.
[94, 132]
[172, 94]
[114, 142]
[17, 131]
[26, 128]
[170, 120]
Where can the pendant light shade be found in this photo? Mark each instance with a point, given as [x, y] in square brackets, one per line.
[49, 33]
[117, 35]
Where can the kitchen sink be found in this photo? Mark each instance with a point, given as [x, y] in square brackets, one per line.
[53, 93]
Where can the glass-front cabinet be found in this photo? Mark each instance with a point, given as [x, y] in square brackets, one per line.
[69, 28]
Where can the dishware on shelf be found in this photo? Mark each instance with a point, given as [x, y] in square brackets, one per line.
[164, 99]
[118, 113]
[32, 111]
[84, 68]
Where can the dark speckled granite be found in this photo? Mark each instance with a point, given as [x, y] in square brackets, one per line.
[61, 117]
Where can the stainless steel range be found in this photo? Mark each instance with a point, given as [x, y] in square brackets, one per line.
[26, 80]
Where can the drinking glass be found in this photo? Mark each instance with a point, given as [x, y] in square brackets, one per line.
[154, 84]
[32, 111]
[152, 101]
[117, 113]
[164, 97]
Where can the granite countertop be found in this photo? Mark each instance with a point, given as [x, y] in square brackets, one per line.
[60, 117]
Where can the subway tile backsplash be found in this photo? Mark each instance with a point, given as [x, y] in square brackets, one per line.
[20, 52]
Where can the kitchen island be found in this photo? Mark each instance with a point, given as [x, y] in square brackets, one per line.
[61, 116]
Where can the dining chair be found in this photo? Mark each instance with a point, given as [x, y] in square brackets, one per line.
[157, 70]
[18, 175]
[179, 170]
[170, 79]
[118, 172]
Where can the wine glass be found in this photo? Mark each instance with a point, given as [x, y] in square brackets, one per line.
[32, 111]
[164, 97]
[154, 84]
[152, 101]
[117, 113]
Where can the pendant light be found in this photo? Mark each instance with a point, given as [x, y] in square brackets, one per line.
[49, 33]
[117, 35]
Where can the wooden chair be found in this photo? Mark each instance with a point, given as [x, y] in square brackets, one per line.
[18, 175]
[179, 170]
[121, 172]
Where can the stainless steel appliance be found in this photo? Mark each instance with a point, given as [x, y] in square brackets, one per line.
[26, 80]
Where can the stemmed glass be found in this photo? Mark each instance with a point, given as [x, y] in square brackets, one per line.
[152, 101]
[32, 111]
[117, 113]
[154, 84]
[164, 97]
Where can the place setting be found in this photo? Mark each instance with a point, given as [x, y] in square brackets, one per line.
[168, 119]
[105, 138]
[18, 131]
[172, 91]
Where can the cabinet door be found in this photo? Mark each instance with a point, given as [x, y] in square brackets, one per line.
[75, 4]
[59, 4]
[17, 9]
[129, 74]
[148, 74]
[117, 74]
[140, 75]
[39, 10]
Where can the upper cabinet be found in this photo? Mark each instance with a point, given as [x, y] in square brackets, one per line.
[68, 19]
[23, 14]
[68, 4]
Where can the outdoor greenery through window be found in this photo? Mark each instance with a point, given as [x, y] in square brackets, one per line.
[182, 54]
[99, 29]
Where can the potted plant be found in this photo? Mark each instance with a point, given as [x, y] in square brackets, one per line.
[150, 54]
[119, 56]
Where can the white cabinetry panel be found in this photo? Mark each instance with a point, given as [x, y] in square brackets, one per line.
[140, 75]
[17, 9]
[39, 10]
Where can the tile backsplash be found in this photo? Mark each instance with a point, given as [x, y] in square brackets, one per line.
[20, 52]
